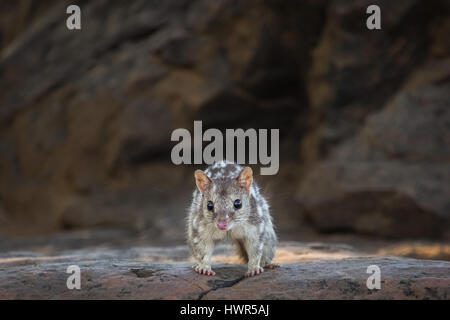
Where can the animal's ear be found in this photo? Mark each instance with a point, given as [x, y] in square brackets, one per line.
[245, 178]
[202, 180]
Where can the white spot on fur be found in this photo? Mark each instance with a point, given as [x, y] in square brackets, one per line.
[194, 221]
[259, 210]
[265, 206]
[261, 227]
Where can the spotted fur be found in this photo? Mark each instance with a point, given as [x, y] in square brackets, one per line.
[250, 228]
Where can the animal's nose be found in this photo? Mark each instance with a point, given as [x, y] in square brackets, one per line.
[222, 224]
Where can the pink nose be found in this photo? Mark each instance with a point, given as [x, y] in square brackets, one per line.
[222, 225]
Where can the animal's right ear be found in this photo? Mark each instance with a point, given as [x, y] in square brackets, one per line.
[202, 180]
[245, 178]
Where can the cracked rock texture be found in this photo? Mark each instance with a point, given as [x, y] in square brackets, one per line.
[308, 271]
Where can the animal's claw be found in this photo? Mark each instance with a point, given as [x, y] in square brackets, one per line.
[254, 272]
[272, 266]
[205, 270]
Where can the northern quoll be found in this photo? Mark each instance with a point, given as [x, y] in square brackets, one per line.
[228, 204]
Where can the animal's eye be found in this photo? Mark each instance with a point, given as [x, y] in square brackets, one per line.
[237, 204]
[210, 205]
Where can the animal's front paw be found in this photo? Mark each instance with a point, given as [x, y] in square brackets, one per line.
[204, 269]
[272, 266]
[254, 271]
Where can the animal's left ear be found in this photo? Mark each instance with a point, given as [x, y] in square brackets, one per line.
[245, 178]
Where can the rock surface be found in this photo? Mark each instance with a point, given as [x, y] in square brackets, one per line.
[355, 71]
[86, 116]
[392, 178]
[308, 271]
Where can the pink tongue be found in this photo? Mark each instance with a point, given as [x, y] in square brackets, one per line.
[222, 225]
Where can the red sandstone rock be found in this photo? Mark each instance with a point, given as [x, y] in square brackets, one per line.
[309, 272]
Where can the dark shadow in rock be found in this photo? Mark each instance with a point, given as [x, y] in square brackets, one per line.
[232, 275]
[229, 272]
[143, 273]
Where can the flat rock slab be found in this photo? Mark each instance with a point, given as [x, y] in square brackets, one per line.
[307, 272]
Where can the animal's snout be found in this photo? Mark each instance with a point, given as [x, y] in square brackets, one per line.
[222, 224]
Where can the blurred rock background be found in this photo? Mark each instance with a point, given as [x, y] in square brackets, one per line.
[86, 116]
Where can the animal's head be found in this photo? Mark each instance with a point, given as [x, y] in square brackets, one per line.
[225, 201]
